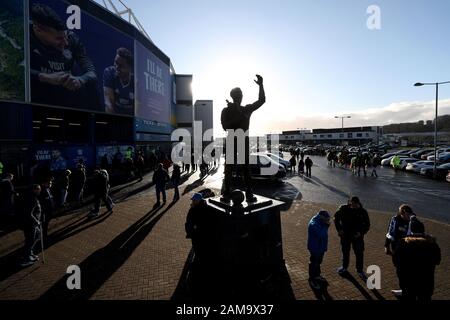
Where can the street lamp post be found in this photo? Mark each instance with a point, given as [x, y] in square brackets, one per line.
[436, 84]
[342, 118]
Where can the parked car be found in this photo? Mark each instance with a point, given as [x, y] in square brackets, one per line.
[444, 157]
[278, 159]
[448, 177]
[404, 162]
[258, 162]
[441, 171]
[421, 152]
[417, 166]
[441, 156]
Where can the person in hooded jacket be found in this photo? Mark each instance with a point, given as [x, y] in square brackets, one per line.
[415, 259]
[317, 246]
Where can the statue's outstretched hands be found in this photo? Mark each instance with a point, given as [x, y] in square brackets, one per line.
[259, 80]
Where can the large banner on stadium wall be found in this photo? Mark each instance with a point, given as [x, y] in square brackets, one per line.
[78, 61]
[154, 87]
[12, 59]
[57, 159]
[113, 155]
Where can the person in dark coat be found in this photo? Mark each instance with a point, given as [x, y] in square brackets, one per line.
[397, 230]
[293, 162]
[375, 163]
[317, 246]
[199, 228]
[31, 224]
[301, 167]
[78, 182]
[175, 179]
[47, 206]
[140, 165]
[415, 259]
[308, 165]
[160, 178]
[63, 186]
[352, 223]
[101, 192]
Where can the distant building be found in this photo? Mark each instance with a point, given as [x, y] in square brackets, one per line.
[335, 136]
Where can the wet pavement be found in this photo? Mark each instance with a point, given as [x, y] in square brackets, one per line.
[428, 198]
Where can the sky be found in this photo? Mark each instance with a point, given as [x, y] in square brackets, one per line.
[318, 57]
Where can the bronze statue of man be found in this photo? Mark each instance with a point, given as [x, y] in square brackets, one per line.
[235, 117]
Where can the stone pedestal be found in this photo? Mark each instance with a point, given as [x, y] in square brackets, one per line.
[249, 234]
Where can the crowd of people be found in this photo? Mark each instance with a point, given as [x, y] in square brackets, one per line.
[359, 163]
[298, 157]
[415, 254]
[406, 240]
[52, 192]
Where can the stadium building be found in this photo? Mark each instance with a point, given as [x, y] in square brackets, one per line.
[83, 85]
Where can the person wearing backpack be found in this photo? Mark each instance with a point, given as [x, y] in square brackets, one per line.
[101, 192]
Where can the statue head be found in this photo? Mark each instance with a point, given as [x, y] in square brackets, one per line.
[236, 95]
[238, 197]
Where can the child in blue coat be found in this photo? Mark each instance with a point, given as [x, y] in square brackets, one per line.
[317, 246]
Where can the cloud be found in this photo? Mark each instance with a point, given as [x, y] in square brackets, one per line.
[399, 112]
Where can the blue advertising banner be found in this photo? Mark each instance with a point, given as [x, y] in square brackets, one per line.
[78, 61]
[154, 87]
[62, 158]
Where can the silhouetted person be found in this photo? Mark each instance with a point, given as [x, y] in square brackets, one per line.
[176, 177]
[352, 223]
[308, 165]
[375, 163]
[78, 182]
[397, 230]
[140, 166]
[199, 228]
[101, 192]
[47, 206]
[63, 187]
[160, 178]
[415, 259]
[317, 246]
[301, 167]
[31, 224]
[293, 162]
[236, 117]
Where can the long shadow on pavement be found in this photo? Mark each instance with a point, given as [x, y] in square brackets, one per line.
[215, 283]
[358, 286]
[332, 189]
[103, 263]
[10, 263]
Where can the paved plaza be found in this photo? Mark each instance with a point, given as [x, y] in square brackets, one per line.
[139, 252]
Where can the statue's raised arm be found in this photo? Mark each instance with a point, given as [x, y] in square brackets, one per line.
[262, 95]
